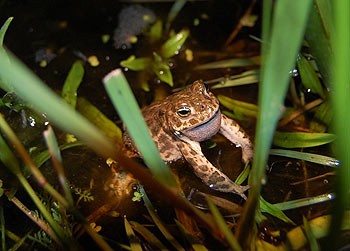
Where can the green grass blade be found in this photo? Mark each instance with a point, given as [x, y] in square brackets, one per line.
[280, 50]
[95, 116]
[162, 228]
[4, 27]
[273, 210]
[56, 157]
[196, 246]
[124, 101]
[239, 107]
[227, 63]
[319, 34]
[148, 235]
[174, 11]
[44, 156]
[135, 244]
[231, 239]
[302, 139]
[340, 98]
[2, 223]
[45, 101]
[310, 235]
[293, 204]
[310, 157]
[309, 77]
[3, 30]
[72, 83]
[291, 16]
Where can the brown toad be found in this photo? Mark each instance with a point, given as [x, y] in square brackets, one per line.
[182, 120]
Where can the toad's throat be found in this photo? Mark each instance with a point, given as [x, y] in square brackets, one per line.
[204, 131]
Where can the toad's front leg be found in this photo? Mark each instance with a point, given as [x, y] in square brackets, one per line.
[208, 173]
[234, 133]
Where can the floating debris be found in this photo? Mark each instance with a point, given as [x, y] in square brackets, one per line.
[132, 21]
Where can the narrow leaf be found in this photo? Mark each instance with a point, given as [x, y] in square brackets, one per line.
[274, 211]
[3, 30]
[124, 101]
[162, 70]
[71, 85]
[148, 235]
[135, 244]
[231, 239]
[95, 116]
[309, 77]
[136, 64]
[311, 157]
[239, 107]
[302, 139]
[173, 45]
[229, 63]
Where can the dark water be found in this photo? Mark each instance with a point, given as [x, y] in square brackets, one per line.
[72, 28]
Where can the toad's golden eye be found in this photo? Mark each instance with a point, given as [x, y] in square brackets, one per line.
[183, 111]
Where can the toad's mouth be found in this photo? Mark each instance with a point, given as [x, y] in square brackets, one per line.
[204, 131]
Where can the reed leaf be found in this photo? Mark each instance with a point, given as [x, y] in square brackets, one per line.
[231, 239]
[310, 157]
[340, 99]
[72, 83]
[148, 235]
[302, 139]
[229, 63]
[278, 62]
[135, 244]
[124, 101]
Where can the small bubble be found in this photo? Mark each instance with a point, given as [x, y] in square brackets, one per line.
[331, 196]
[294, 73]
[161, 72]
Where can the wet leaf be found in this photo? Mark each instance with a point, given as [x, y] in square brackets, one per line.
[322, 118]
[155, 32]
[319, 33]
[95, 116]
[173, 45]
[72, 83]
[120, 94]
[231, 239]
[174, 11]
[162, 70]
[135, 244]
[274, 211]
[244, 78]
[230, 63]
[309, 77]
[312, 241]
[311, 157]
[302, 139]
[3, 30]
[136, 64]
[160, 225]
[238, 107]
[148, 235]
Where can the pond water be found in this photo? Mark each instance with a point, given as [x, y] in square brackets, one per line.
[63, 31]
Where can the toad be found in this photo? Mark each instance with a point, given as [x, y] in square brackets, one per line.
[181, 121]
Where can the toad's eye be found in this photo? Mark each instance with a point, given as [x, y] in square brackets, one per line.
[183, 111]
